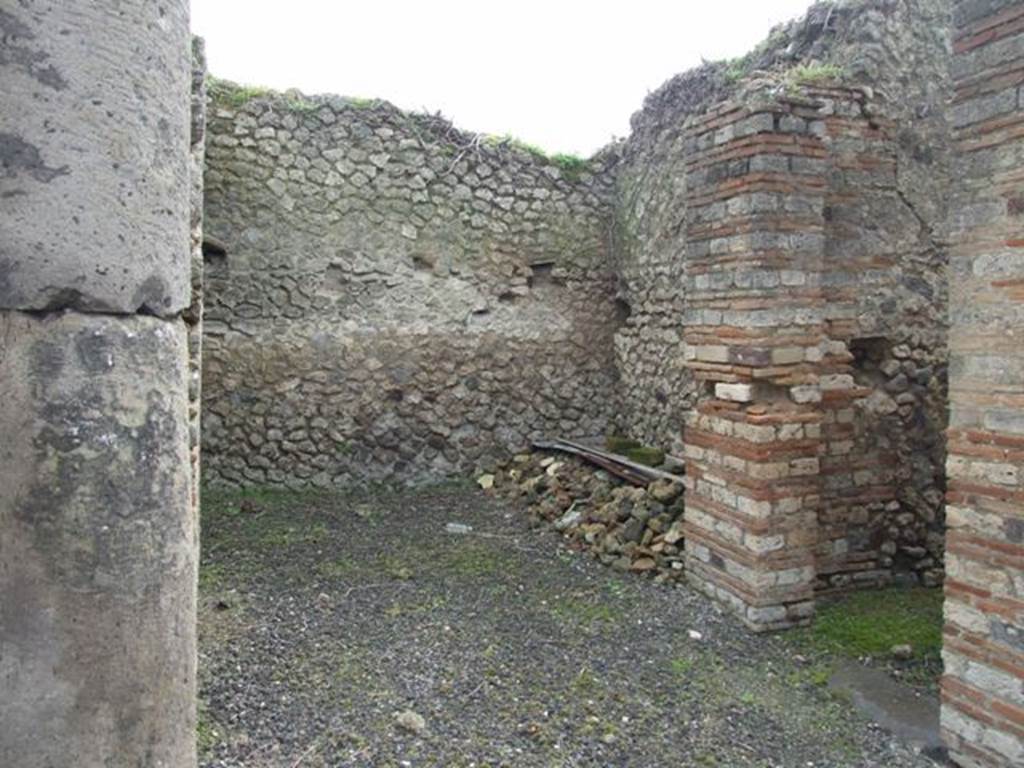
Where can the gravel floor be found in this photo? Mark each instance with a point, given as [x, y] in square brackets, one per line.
[356, 631]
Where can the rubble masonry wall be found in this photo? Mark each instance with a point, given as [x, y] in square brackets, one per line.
[389, 299]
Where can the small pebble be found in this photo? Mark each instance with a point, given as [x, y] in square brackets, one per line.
[902, 652]
[411, 721]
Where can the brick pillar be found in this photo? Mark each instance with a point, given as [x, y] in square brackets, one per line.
[754, 336]
[858, 463]
[983, 686]
[98, 547]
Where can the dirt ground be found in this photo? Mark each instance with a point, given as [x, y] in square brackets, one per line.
[358, 630]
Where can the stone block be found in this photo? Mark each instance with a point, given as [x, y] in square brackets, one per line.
[984, 107]
[99, 542]
[713, 353]
[95, 186]
[805, 393]
[737, 393]
[787, 355]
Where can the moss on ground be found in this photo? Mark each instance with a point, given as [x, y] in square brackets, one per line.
[473, 559]
[208, 732]
[259, 518]
[585, 612]
[871, 623]
[514, 645]
[868, 624]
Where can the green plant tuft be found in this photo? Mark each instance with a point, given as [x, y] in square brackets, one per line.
[234, 94]
[572, 166]
[736, 69]
[815, 74]
[508, 140]
[296, 102]
[207, 733]
[681, 666]
[359, 102]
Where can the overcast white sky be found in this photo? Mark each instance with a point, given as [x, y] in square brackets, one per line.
[563, 75]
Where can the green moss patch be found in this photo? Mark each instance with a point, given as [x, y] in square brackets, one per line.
[620, 444]
[508, 140]
[871, 623]
[572, 166]
[816, 74]
[585, 612]
[237, 95]
[652, 457]
[234, 94]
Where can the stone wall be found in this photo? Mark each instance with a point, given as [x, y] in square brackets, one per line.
[983, 687]
[655, 387]
[388, 298]
[884, 293]
[98, 529]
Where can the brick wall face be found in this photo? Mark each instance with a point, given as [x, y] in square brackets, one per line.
[754, 335]
[722, 181]
[814, 459]
[884, 409]
[983, 687]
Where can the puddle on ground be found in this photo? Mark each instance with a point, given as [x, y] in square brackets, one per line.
[896, 707]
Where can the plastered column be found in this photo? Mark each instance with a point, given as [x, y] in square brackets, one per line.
[98, 542]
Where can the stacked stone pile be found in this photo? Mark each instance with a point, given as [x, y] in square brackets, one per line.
[627, 527]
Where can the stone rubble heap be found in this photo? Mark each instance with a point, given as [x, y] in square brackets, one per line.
[629, 528]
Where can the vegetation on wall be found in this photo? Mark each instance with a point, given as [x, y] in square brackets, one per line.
[238, 95]
[815, 73]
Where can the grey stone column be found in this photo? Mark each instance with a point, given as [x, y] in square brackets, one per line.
[98, 538]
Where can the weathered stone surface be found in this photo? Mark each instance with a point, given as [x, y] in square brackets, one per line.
[193, 316]
[98, 543]
[397, 300]
[104, 155]
[655, 387]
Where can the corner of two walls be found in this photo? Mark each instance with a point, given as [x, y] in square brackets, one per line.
[391, 299]
[655, 387]
[703, 208]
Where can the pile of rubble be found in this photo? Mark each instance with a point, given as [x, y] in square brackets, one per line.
[630, 528]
